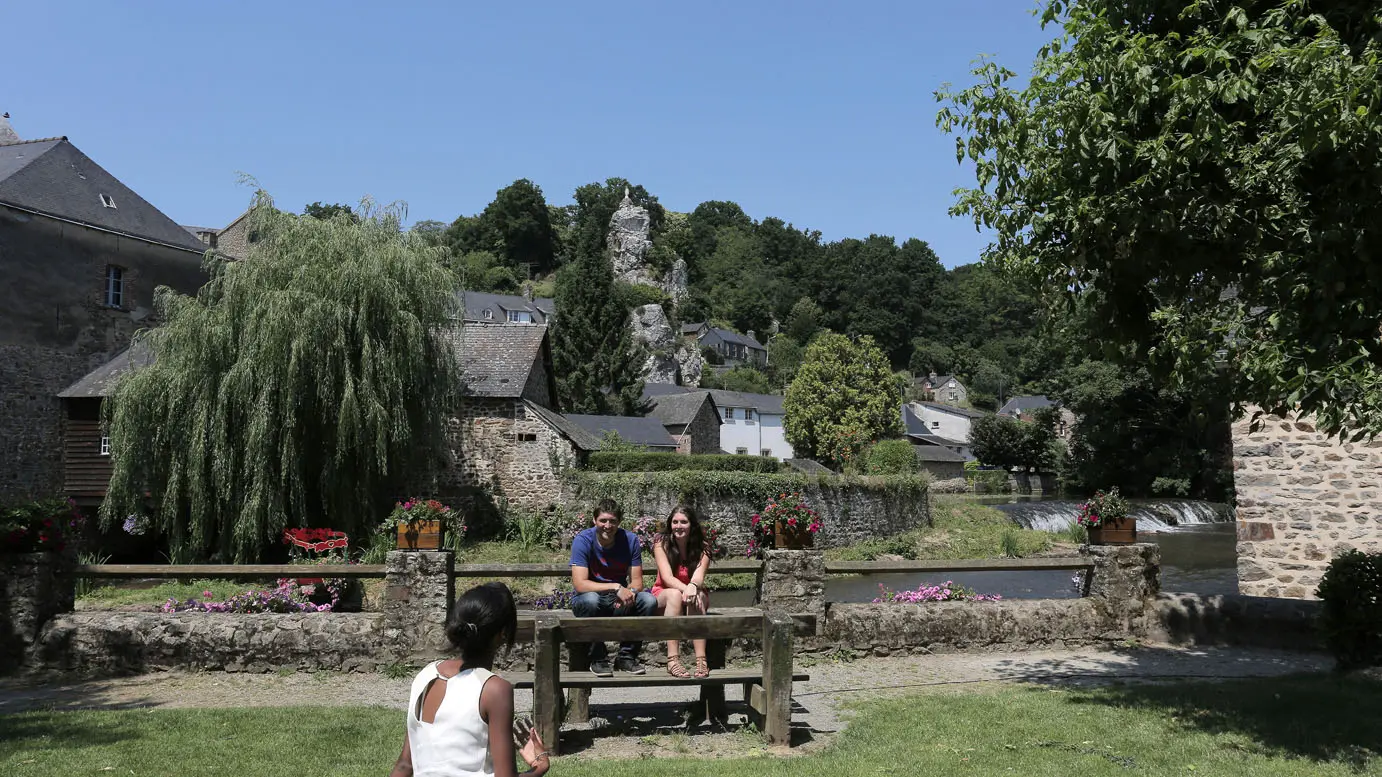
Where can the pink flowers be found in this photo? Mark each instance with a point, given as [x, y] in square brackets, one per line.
[945, 592]
[285, 597]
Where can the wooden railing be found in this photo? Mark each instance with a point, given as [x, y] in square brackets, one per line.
[958, 565]
[562, 569]
[210, 571]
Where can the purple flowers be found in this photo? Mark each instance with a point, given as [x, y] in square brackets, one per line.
[136, 525]
[944, 592]
[558, 600]
[286, 596]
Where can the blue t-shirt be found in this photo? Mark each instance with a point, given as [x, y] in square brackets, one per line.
[607, 565]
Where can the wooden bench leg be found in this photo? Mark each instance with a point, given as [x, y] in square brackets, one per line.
[712, 703]
[578, 699]
[777, 678]
[547, 681]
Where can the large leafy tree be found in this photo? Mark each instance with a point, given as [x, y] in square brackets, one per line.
[844, 397]
[519, 220]
[322, 210]
[299, 387]
[1209, 175]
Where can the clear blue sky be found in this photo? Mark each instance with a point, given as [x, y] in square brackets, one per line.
[819, 113]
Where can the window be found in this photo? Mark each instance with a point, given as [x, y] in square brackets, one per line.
[105, 446]
[741, 451]
[526, 437]
[954, 395]
[748, 414]
[935, 424]
[115, 286]
[520, 317]
[107, 201]
[489, 314]
[766, 452]
[729, 414]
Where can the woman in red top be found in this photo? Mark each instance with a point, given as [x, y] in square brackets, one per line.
[682, 560]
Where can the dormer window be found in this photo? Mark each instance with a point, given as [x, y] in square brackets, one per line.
[489, 315]
[520, 317]
[105, 446]
[115, 286]
[107, 201]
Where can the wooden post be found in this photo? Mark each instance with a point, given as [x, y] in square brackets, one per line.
[578, 699]
[777, 678]
[713, 696]
[547, 680]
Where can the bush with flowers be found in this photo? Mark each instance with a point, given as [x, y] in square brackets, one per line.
[791, 511]
[286, 596]
[945, 592]
[1102, 508]
[51, 525]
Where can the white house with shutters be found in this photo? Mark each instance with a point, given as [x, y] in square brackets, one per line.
[750, 424]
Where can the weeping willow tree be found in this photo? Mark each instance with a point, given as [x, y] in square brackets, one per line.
[300, 387]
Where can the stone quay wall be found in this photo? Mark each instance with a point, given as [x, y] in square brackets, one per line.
[1303, 498]
[852, 509]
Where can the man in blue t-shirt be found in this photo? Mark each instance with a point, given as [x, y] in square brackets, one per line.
[607, 572]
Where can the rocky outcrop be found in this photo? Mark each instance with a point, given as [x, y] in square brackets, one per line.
[629, 241]
[667, 358]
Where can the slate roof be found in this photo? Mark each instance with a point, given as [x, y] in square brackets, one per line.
[691, 329]
[101, 381]
[964, 411]
[735, 338]
[579, 437]
[1026, 404]
[646, 431]
[681, 409]
[939, 380]
[476, 303]
[911, 423]
[770, 404]
[52, 177]
[497, 358]
[934, 453]
[936, 439]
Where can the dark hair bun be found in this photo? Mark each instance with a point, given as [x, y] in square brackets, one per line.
[480, 617]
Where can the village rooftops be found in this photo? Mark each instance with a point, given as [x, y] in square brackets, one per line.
[936, 453]
[769, 404]
[483, 307]
[645, 432]
[101, 381]
[497, 359]
[962, 411]
[680, 409]
[1025, 404]
[936, 439]
[53, 178]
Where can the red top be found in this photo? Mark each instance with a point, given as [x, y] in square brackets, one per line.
[683, 574]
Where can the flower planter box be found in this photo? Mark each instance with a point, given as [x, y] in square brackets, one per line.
[792, 537]
[1121, 531]
[420, 535]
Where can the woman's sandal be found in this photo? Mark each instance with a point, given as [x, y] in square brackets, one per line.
[702, 668]
[675, 669]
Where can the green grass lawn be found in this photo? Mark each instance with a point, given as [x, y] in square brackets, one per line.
[960, 529]
[1307, 725]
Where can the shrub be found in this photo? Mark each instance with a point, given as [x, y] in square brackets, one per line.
[47, 524]
[891, 457]
[636, 295]
[635, 461]
[989, 481]
[1352, 617]
[1102, 508]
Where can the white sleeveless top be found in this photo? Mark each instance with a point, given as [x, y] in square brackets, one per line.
[456, 743]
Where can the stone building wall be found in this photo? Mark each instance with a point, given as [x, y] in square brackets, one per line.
[234, 239]
[1302, 499]
[498, 447]
[704, 430]
[55, 328]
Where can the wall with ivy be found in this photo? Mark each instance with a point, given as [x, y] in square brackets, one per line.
[853, 509]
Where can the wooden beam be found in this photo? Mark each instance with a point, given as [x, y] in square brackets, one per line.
[547, 682]
[229, 570]
[635, 629]
[777, 678]
[564, 570]
[586, 680]
[756, 698]
[804, 623]
[959, 565]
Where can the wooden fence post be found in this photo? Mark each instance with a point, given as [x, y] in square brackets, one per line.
[547, 680]
[578, 699]
[777, 678]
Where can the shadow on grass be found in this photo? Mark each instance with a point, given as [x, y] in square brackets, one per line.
[56, 693]
[58, 730]
[641, 719]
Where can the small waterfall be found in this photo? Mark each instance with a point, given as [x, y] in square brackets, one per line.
[1152, 515]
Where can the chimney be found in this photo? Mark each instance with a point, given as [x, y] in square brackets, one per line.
[749, 334]
[932, 376]
[7, 133]
[528, 290]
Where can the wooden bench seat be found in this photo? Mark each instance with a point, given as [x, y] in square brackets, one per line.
[654, 678]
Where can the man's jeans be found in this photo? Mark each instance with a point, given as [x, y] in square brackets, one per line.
[593, 604]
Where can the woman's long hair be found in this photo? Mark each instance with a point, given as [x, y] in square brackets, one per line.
[695, 540]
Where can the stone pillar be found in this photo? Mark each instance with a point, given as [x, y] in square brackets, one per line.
[1124, 581]
[794, 583]
[34, 587]
[418, 596]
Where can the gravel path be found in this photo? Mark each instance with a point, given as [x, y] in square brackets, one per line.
[645, 722]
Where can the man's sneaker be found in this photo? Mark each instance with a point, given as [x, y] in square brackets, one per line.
[601, 668]
[629, 665]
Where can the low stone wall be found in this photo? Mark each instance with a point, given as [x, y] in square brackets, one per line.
[948, 627]
[1232, 619]
[34, 587]
[853, 509]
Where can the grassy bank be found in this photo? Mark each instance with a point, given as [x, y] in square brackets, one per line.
[1323, 726]
[960, 529]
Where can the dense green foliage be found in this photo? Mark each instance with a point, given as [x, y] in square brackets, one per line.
[298, 388]
[891, 457]
[843, 398]
[515, 228]
[1002, 441]
[1351, 620]
[741, 378]
[1207, 177]
[321, 210]
[631, 461]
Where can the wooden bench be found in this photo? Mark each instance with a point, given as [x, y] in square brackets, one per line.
[768, 691]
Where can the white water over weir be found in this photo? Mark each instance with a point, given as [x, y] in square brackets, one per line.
[1152, 515]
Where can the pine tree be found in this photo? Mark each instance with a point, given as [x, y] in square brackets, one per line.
[592, 347]
[299, 387]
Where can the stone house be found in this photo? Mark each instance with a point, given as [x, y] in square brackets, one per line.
[1303, 498]
[81, 255]
[693, 420]
[750, 424]
[940, 462]
[733, 348]
[86, 448]
[944, 389]
[920, 433]
[485, 308]
[1022, 408]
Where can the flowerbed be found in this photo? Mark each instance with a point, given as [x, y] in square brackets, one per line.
[944, 592]
[286, 596]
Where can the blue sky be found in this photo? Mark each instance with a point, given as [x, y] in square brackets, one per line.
[819, 113]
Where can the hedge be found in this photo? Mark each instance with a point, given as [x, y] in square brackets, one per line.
[636, 461]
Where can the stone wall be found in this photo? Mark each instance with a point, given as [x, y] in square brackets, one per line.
[499, 447]
[34, 587]
[852, 509]
[1232, 619]
[704, 430]
[1302, 499]
[55, 328]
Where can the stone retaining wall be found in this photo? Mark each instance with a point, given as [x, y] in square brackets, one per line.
[1302, 499]
[1231, 619]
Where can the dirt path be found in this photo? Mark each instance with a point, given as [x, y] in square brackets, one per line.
[648, 722]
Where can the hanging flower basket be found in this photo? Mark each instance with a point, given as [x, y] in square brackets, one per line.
[1105, 517]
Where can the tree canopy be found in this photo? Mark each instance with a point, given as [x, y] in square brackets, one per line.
[1207, 177]
[843, 398]
[300, 387]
